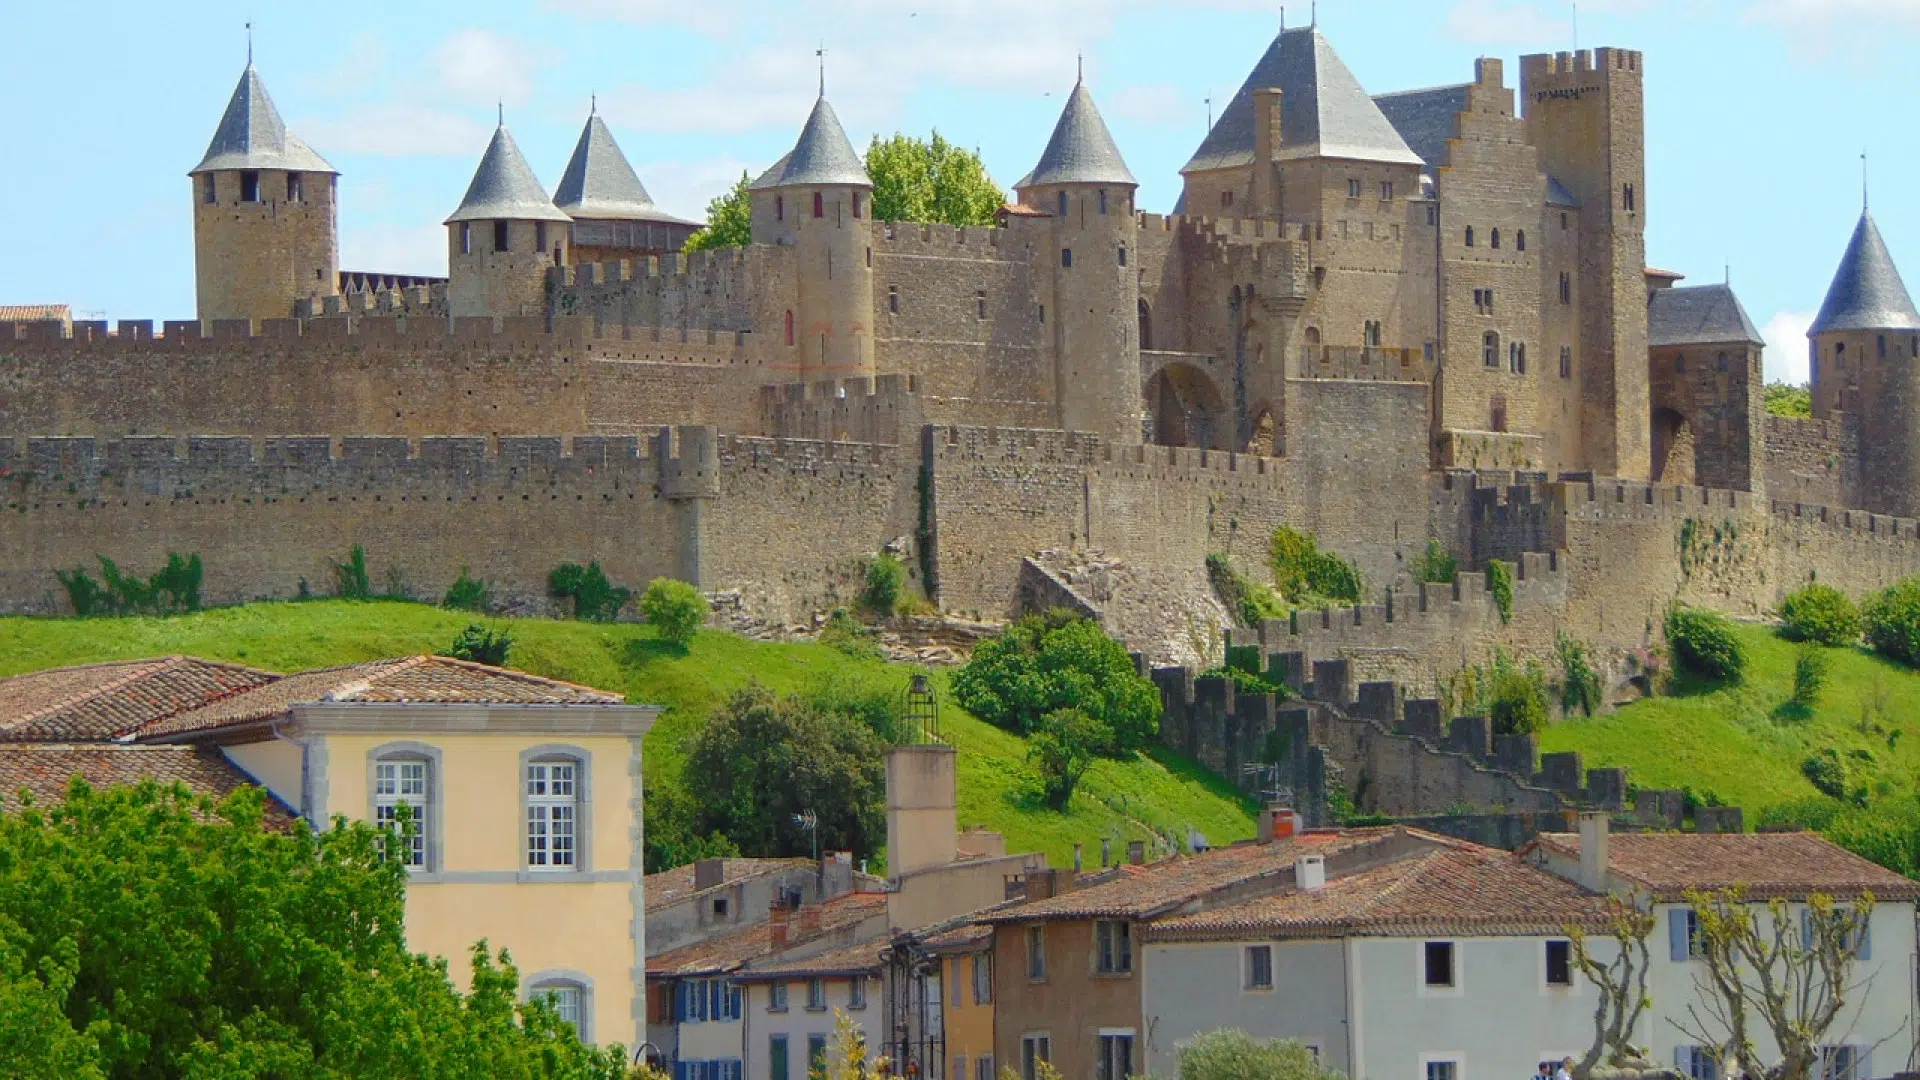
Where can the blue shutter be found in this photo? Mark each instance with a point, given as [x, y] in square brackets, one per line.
[679, 1070]
[736, 995]
[1677, 933]
[681, 1013]
[716, 1002]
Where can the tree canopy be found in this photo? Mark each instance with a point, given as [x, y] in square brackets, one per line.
[1232, 1054]
[729, 220]
[146, 932]
[1045, 663]
[932, 181]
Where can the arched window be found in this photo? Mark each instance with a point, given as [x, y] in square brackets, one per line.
[1490, 349]
[819, 205]
[789, 326]
[408, 774]
[553, 796]
[1520, 240]
[1146, 325]
[1496, 240]
[571, 995]
[1469, 236]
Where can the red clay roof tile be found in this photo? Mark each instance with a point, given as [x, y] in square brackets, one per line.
[1766, 865]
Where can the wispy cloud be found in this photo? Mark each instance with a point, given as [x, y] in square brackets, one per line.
[401, 129]
[1159, 104]
[481, 66]
[684, 187]
[1786, 356]
[1843, 30]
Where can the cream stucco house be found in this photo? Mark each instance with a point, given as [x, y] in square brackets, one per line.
[527, 791]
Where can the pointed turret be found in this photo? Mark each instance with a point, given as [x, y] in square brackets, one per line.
[821, 157]
[1867, 293]
[263, 223]
[1081, 150]
[613, 216]
[504, 237]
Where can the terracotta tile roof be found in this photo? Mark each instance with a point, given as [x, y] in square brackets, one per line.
[848, 960]
[413, 679]
[1137, 892]
[45, 770]
[1452, 890]
[730, 952]
[675, 886]
[105, 701]
[967, 937]
[36, 313]
[1767, 865]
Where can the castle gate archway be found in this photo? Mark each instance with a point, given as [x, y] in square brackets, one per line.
[1187, 409]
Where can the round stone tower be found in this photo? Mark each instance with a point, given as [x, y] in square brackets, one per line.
[819, 201]
[1084, 184]
[504, 238]
[265, 230]
[1865, 362]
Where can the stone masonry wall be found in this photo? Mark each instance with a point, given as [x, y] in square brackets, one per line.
[1816, 462]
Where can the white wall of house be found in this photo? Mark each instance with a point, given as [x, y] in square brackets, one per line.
[710, 1040]
[798, 1023]
[1883, 1009]
[1364, 1004]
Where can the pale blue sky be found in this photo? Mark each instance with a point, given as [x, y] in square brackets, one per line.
[1757, 110]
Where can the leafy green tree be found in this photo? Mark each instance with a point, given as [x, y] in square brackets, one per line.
[1517, 702]
[1232, 1054]
[763, 759]
[1436, 566]
[671, 837]
[931, 181]
[1063, 749]
[173, 937]
[1044, 663]
[1819, 613]
[1893, 622]
[729, 220]
[595, 598]
[482, 646]
[1788, 399]
[676, 609]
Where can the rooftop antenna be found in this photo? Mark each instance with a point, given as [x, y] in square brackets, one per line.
[821, 53]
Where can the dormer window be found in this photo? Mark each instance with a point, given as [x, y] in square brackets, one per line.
[249, 187]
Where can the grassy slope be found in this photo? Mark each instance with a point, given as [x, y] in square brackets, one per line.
[1732, 741]
[996, 790]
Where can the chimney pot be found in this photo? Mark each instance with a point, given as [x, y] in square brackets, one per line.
[1310, 873]
[1137, 852]
[709, 872]
[1278, 822]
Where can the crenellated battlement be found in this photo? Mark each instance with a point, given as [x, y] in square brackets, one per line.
[911, 238]
[957, 442]
[391, 331]
[1563, 67]
[692, 264]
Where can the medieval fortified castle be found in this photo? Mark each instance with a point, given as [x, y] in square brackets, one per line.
[1382, 319]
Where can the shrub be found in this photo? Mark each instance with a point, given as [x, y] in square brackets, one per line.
[1308, 576]
[1820, 613]
[1062, 749]
[675, 608]
[1243, 667]
[1437, 566]
[885, 575]
[174, 587]
[1809, 677]
[1580, 686]
[847, 634]
[468, 594]
[84, 593]
[1500, 584]
[1247, 600]
[481, 645]
[1232, 1054]
[1044, 663]
[350, 579]
[1893, 622]
[595, 599]
[1703, 643]
[1516, 702]
[1827, 772]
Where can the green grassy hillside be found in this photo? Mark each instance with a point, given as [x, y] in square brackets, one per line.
[1122, 800]
[1737, 745]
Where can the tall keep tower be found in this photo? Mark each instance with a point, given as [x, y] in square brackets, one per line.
[265, 228]
[1586, 114]
[1865, 360]
[503, 238]
[1085, 185]
[819, 200]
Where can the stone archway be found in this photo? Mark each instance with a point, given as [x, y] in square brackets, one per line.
[1186, 409]
[1673, 448]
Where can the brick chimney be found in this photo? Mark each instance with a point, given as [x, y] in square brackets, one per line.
[1594, 858]
[709, 872]
[809, 922]
[1266, 151]
[1278, 822]
[777, 926]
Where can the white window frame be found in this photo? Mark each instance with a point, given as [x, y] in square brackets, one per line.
[1028, 1068]
[1101, 1064]
[777, 997]
[1247, 984]
[547, 756]
[1458, 971]
[1450, 1057]
[816, 995]
[566, 979]
[857, 992]
[427, 805]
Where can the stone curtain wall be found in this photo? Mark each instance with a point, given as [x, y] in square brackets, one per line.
[1816, 462]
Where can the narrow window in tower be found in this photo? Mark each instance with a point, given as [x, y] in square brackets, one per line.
[1627, 199]
[1880, 347]
[893, 299]
[466, 238]
[539, 236]
[1103, 200]
[249, 187]
[1520, 366]
[1499, 417]
[1496, 239]
[856, 206]
[1433, 215]
[1353, 187]
[1469, 236]
[1063, 204]
[1123, 254]
[1680, 363]
[1840, 355]
[980, 303]
[1490, 349]
[819, 205]
[1520, 240]
[1226, 199]
[1566, 287]
[501, 236]
[1566, 361]
[1563, 221]
[296, 188]
[779, 208]
[1066, 258]
[1722, 362]
[869, 258]
[1386, 191]
[207, 192]
[789, 326]
[1043, 314]
[1914, 342]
